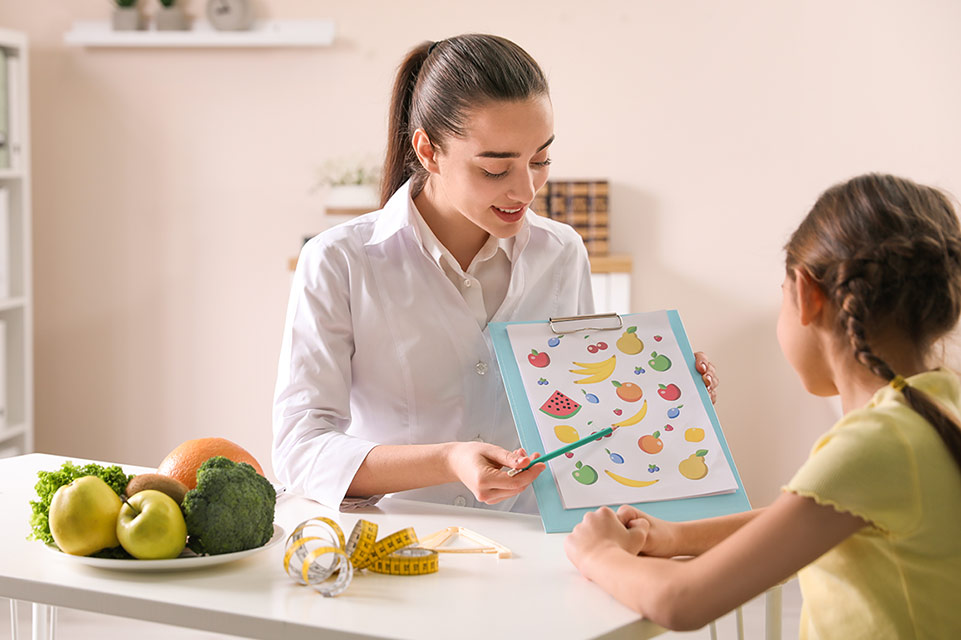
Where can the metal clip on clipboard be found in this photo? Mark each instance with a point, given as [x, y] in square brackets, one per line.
[598, 318]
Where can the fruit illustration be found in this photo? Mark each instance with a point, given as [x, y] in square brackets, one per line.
[566, 433]
[651, 468]
[638, 371]
[674, 412]
[669, 392]
[694, 434]
[693, 467]
[584, 473]
[634, 419]
[659, 362]
[601, 346]
[538, 358]
[651, 443]
[560, 406]
[657, 338]
[182, 463]
[669, 427]
[627, 391]
[595, 371]
[553, 342]
[542, 381]
[618, 412]
[628, 482]
[616, 458]
[629, 343]
[590, 397]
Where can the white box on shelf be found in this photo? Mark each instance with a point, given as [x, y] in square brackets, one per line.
[3, 375]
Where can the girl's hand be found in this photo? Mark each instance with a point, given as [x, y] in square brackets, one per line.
[600, 532]
[659, 536]
[480, 467]
[708, 374]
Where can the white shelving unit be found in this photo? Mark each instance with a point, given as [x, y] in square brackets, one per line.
[16, 295]
[266, 34]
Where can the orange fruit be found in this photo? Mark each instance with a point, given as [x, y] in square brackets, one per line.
[182, 463]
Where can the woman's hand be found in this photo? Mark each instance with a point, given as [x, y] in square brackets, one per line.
[708, 374]
[480, 466]
[601, 532]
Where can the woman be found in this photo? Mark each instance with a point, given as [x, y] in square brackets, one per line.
[387, 379]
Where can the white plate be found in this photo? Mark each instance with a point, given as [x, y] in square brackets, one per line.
[187, 560]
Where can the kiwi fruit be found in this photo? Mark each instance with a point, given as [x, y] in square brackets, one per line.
[172, 487]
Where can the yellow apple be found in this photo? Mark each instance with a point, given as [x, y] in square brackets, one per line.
[83, 516]
[151, 527]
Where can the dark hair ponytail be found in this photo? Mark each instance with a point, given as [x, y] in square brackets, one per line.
[438, 84]
[887, 251]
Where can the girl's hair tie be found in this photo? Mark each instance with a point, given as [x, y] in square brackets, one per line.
[898, 383]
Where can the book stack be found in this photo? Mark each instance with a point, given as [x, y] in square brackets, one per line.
[583, 204]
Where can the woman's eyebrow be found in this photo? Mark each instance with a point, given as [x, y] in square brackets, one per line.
[511, 154]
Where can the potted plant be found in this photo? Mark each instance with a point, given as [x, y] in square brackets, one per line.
[170, 16]
[126, 16]
[350, 186]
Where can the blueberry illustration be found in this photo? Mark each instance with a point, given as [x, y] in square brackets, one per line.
[638, 371]
[553, 342]
[674, 412]
[590, 397]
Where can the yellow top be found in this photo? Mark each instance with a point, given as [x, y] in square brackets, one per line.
[900, 577]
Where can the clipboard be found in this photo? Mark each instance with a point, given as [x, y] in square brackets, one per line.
[554, 515]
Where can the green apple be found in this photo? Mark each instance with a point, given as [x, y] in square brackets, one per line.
[83, 516]
[151, 527]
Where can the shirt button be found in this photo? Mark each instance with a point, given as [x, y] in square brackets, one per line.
[467, 283]
[480, 368]
[460, 501]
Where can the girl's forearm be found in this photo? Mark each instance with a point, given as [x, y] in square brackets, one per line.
[390, 468]
[697, 536]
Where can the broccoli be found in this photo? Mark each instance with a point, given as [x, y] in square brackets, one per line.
[232, 508]
[50, 481]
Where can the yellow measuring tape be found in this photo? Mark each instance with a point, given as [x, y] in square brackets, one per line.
[327, 562]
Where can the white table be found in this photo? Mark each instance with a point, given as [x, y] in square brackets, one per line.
[537, 593]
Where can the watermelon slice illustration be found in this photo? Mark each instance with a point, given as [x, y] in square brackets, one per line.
[560, 406]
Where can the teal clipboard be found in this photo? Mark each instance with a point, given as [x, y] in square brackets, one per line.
[554, 515]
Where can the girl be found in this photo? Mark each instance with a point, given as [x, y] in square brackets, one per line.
[872, 519]
[387, 379]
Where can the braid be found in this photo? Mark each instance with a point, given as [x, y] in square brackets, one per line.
[888, 252]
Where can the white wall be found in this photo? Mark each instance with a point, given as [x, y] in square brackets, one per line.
[171, 187]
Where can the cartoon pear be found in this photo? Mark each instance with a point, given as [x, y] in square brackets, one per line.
[629, 343]
[693, 467]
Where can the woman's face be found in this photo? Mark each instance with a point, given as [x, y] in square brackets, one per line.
[490, 175]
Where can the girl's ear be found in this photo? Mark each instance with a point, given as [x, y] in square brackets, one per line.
[810, 297]
[426, 154]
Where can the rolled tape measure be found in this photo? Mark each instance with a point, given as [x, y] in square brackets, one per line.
[326, 562]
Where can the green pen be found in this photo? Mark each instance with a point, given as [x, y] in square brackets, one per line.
[569, 447]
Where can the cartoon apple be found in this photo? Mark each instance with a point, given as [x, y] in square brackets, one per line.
[627, 391]
[669, 392]
[584, 474]
[538, 358]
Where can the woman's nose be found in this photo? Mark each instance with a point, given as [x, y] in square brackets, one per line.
[523, 188]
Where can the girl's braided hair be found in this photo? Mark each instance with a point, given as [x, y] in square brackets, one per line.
[887, 252]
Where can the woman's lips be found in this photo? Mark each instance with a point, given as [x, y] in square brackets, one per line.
[510, 215]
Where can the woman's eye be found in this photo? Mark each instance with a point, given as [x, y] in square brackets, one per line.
[488, 174]
[545, 163]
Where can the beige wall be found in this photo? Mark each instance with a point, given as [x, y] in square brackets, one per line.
[171, 187]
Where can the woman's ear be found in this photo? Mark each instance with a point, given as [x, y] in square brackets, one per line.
[426, 154]
[810, 297]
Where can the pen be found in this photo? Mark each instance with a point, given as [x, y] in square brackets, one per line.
[570, 447]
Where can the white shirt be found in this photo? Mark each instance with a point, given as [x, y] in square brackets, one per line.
[484, 285]
[380, 347]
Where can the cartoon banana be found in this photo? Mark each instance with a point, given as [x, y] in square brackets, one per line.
[634, 419]
[627, 482]
[595, 371]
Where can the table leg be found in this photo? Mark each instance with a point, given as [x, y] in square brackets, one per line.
[772, 613]
[14, 627]
[44, 620]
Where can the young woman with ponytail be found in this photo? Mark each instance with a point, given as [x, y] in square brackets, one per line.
[387, 379]
[872, 521]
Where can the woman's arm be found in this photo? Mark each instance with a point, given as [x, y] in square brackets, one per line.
[389, 468]
[684, 595]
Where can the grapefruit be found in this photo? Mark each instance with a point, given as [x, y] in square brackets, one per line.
[182, 463]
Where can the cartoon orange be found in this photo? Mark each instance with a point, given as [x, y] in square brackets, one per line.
[651, 443]
[627, 391]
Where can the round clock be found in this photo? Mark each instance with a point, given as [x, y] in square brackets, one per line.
[229, 15]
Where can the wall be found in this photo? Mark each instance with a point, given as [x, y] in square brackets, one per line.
[172, 186]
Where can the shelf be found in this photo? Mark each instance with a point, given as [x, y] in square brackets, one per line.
[10, 174]
[11, 303]
[12, 432]
[611, 264]
[268, 33]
